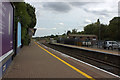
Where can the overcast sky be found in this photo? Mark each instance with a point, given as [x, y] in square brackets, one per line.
[58, 16]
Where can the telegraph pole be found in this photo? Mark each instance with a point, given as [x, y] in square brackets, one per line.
[98, 22]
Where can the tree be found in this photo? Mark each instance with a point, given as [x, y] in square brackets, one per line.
[103, 32]
[114, 29]
[21, 14]
[25, 14]
[74, 31]
[98, 29]
[107, 32]
[68, 32]
[31, 12]
[52, 36]
[82, 32]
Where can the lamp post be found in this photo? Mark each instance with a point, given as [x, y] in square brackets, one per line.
[98, 23]
[99, 35]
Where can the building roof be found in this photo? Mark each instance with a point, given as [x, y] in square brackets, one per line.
[81, 35]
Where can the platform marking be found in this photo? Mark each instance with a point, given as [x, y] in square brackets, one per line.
[87, 63]
[84, 74]
[84, 62]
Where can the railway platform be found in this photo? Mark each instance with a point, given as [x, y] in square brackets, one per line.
[39, 61]
[92, 49]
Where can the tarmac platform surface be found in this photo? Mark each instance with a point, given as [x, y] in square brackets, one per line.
[39, 61]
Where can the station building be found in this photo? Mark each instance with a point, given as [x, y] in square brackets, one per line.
[83, 37]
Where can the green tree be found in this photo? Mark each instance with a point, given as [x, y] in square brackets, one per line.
[98, 29]
[21, 14]
[31, 12]
[82, 32]
[25, 14]
[114, 29]
[74, 31]
[52, 36]
[68, 32]
[104, 32]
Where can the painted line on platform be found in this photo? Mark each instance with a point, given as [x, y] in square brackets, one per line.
[79, 71]
[84, 62]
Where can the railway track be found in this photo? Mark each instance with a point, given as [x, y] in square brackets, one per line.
[83, 55]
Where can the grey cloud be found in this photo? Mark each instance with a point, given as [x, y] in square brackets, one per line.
[102, 12]
[78, 4]
[11, 0]
[57, 6]
[87, 21]
[86, 9]
[119, 8]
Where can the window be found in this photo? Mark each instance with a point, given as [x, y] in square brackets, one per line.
[114, 42]
[105, 42]
[110, 42]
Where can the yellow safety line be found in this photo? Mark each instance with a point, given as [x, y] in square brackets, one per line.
[84, 74]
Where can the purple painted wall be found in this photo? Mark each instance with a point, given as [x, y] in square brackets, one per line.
[7, 27]
[0, 29]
